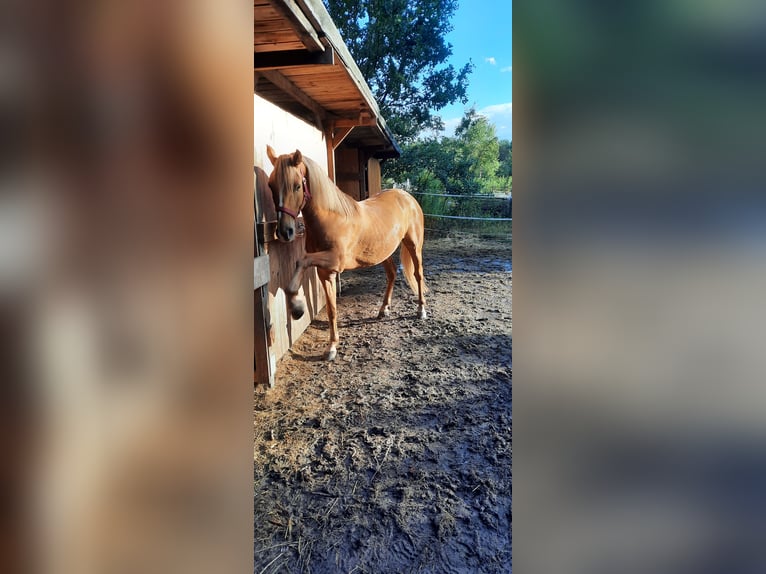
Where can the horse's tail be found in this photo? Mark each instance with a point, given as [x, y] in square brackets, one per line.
[408, 268]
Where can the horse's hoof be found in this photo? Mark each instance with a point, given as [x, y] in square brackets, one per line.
[331, 354]
[384, 312]
[297, 309]
[422, 313]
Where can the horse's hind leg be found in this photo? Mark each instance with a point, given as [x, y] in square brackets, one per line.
[414, 246]
[328, 283]
[390, 268]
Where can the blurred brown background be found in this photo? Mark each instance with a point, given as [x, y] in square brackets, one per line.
[127, 188]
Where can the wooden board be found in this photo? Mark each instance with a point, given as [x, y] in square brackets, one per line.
[349, 176]
[274, 34]
[282, 22]
[277, 60]
[265, 11]
[330, 86]
[261, 271]
[264, 360]
[374, 180]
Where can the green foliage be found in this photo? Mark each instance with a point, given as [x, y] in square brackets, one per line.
[425, 163]
[468, 163]
[506, 159]
[472, 163]
[400, 49]
[480, 148]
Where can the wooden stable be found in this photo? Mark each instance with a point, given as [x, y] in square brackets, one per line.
[308, 94]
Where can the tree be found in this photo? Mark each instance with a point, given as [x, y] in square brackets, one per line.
[400, 49]
[506, 159]
[428, 164]
[467, 163]
[481, 149]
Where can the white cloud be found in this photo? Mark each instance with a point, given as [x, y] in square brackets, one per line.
[507, 69]
[450, 124]
[502, 116]
[498, 110]
[491, 60]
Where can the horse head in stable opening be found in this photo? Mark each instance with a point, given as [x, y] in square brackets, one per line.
[342, 233]
[290, 190]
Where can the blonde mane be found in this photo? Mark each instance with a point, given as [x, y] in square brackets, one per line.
[325, 194]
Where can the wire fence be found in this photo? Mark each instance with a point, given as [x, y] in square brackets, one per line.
[474, 227]
[468, 217]
[474, 196]
[454, 213]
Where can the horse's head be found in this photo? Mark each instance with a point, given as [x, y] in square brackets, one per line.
[289, 189]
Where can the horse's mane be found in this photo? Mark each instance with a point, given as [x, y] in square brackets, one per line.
[325, 193]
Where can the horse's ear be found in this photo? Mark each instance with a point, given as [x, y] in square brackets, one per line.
[297, 157]
[272, 154]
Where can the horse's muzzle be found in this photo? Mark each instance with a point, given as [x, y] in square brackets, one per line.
[286, 233]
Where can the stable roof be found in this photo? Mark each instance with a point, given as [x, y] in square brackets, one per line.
[302, 65]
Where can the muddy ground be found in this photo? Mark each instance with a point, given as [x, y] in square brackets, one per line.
[397, 456]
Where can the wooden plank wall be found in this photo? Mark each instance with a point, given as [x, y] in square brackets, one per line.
[347, 172]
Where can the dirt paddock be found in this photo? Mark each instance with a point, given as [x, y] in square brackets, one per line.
[396, 457]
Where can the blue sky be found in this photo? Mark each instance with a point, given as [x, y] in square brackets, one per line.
[482, 33]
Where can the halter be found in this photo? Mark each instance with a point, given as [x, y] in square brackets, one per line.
[306, 197]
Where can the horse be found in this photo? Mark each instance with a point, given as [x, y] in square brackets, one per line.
[342, 233]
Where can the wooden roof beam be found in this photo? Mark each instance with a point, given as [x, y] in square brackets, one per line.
[318, 13]
[361, 121]
[340, 128]
[305, 30]
[288, 58]
[281, 82]
[339, 134]
[321, 21]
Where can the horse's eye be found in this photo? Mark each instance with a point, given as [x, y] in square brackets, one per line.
[297, 187]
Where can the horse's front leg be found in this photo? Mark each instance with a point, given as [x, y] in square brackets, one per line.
[328, 283]
[323, 259]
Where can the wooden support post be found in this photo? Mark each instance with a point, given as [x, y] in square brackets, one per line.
[330, 151]
[339, 134]
[363, 191]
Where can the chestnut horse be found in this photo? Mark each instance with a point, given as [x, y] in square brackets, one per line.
[342, 233]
